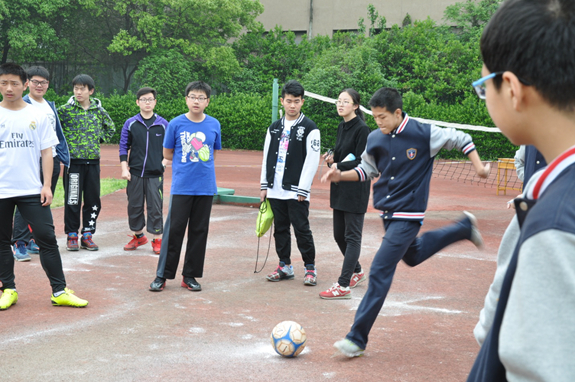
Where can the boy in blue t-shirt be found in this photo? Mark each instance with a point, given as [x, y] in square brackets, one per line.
[190, 142]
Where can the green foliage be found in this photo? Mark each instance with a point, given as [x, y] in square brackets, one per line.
[168, 43]
[166, 71]
[30, 30]
[406, 20]
[470, 13]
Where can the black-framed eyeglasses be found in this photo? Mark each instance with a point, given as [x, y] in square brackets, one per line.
[42, 83]
[194, 98]
[479, 85]
[147, 100]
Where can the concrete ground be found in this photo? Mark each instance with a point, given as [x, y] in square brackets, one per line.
[423, 333]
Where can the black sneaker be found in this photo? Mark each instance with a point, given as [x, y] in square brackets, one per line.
[158, 285]
[191, 284]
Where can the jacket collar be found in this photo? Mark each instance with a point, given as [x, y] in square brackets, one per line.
[401, 126]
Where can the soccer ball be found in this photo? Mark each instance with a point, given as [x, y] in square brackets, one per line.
[288, 339]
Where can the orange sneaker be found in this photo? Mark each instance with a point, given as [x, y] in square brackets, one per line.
[156, 246]
[135, 243]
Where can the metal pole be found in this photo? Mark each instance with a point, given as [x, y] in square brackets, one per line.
[275, 101]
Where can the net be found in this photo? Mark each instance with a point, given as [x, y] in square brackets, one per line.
[503, 176]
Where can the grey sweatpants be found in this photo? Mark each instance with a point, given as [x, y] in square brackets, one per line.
[150, 191]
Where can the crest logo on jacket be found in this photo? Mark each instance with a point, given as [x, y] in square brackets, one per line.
[300, 132]
[411, 153]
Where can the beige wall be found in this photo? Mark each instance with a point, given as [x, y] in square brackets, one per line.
[330, 15]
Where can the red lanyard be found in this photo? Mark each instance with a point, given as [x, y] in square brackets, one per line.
[552, 171]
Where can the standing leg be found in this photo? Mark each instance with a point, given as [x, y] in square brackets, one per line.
[136, 196]
[282, 234]
[73, 197]
[174, 231]
[92, 204]
[339, 230]
[6, 258]
[21, 230]
[353, 232]
[40, 219]
[154, 204]
[299, 217]
[198, 227]
[398, 237]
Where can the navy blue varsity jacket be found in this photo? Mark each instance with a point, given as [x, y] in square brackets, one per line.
[404, 158]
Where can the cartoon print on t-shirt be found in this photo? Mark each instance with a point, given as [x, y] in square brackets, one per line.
[193, 144]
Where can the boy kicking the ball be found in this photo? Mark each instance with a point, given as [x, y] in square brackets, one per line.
[190, 143]
[401, 152]
[529, 88]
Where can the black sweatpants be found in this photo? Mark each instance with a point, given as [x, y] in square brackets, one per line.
[191, 212]
[40, 219]
[296, 213]
[82, 182]
[21, 230]
[347, 231]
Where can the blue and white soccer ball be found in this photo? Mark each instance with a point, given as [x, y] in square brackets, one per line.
[288, 339]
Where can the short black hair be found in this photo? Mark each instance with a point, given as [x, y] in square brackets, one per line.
[535, 40]
[146, 90]
[388, 98]
[39, 71]
[84, 80]
[15, 69]
[199, 85]
[294, 88]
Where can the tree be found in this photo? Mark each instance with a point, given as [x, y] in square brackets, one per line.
[31, 30]
[199, 29]
[471, 14]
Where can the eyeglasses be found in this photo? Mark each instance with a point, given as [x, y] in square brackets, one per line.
[194, 98]
[479, 85]
[147, 100]
[343, 102]
[39, 83]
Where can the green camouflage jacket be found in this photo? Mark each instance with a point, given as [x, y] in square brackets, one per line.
[85, 129]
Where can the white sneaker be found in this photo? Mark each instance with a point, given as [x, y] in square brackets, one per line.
[348, 348]
[475, 235]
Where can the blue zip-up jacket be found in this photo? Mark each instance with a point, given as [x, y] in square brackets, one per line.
[62, 150]
[404, 158]
[145, 146]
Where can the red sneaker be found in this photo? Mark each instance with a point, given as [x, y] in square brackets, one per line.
[336, 292]
[156, 246]
[72, 242]
[356, 279]
[135, 243]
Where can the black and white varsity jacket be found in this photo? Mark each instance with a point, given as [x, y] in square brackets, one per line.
[302, 157]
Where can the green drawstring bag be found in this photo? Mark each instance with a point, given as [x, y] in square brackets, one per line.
[265, 218]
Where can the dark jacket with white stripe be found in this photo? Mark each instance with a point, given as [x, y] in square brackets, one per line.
[302, 156]
[145, 145]
[404, 158]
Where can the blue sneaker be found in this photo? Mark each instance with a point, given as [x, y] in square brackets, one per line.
[20, 252]
[32, 247]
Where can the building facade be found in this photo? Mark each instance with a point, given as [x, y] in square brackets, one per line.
[324, 17]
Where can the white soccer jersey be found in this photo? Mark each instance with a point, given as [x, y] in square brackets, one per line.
[23, 135]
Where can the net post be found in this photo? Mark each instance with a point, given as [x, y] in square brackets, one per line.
[275, 101]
